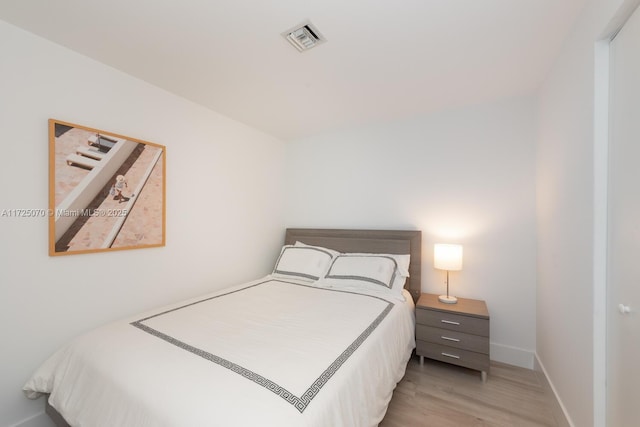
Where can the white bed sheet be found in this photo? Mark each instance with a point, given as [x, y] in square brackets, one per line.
[271, 352]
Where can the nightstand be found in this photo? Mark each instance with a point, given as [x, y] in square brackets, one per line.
[453, 333]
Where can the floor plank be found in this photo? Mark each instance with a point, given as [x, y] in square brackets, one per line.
[437, 394]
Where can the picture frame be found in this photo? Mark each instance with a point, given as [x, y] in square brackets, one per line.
[106, 191]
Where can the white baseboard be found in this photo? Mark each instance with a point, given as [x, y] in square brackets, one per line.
[512, 355]
[38, 420]
[560, 412]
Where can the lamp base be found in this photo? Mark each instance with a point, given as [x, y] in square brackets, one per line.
[447, 299]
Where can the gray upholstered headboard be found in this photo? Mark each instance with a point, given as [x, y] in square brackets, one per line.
[368, 241]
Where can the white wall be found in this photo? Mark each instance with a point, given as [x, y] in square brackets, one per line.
[566, 207]
[462, 176]
[224, 205]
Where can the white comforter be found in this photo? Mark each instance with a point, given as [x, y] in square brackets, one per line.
[270, 353]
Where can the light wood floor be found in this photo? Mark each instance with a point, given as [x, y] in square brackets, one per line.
[441, 395]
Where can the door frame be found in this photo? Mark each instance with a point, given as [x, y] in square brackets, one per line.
[600, 204]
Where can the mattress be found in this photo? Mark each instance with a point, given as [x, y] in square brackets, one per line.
[271, 352]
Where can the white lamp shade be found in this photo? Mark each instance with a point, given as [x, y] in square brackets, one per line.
[447, 257]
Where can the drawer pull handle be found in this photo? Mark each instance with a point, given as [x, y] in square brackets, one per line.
[453, 356]
[449, 322]
[450, 339]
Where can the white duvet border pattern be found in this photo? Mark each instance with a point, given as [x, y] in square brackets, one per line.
[299, 402]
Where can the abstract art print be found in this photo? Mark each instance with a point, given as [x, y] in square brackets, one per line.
[106, 191]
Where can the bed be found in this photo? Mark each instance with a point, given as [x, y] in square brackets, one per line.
[322, 341]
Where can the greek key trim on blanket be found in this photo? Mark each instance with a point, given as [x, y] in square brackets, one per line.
[299, 402]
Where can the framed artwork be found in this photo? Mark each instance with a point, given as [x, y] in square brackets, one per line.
[106, 191]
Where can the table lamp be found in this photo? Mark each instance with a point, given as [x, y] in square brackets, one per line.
[447, 257]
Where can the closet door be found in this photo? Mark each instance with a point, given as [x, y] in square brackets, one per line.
[623, 299]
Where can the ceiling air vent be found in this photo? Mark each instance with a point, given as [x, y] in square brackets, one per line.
[304, 36]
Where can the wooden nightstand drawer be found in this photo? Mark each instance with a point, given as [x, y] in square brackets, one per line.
[455, 339]
[468, 359]
[453, 322]
[453, 333]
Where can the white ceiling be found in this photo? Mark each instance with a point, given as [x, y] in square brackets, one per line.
[383, 60]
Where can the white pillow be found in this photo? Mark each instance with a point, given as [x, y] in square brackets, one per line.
[303, 262]
[377, 269]
[352, 269]
[333, 253]
[402, 261]
[402, 273]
